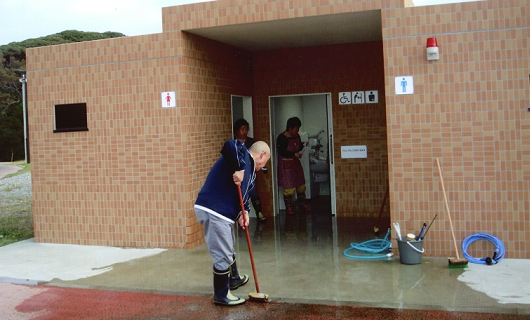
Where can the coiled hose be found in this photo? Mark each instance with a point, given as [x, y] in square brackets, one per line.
[372, 247]
[498, 255]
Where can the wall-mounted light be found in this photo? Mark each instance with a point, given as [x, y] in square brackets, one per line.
[432, 49]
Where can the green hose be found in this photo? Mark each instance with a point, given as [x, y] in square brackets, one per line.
[373, 247]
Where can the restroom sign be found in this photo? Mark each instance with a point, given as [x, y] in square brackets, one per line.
[371, 96]
[168, 99]
[404, 85]
[344, 97]
[357, 97]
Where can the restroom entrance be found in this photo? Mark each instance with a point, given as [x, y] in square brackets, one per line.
[316, 133]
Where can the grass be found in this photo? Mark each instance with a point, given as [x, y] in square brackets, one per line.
[15, 228]
[16, 219]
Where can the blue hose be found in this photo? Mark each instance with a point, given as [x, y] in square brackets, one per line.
[372, 247]
[498, 255]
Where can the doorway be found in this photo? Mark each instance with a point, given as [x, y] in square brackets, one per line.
[314, 111]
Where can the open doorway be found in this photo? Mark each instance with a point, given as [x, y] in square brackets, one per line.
[242, 109]
[314, 111]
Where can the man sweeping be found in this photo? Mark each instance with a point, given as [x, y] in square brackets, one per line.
[218, 207]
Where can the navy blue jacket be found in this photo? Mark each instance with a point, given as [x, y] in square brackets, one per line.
[219, 195]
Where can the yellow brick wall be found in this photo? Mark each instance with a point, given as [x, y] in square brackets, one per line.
[469, 110]
[131, 180]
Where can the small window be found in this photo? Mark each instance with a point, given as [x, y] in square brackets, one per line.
[70, 117]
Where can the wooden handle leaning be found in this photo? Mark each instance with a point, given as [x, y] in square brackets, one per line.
[447, 208]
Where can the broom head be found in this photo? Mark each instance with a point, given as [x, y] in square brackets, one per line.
[456, 263]
[258, 297]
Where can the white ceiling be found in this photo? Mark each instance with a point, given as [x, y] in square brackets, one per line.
[299, 32]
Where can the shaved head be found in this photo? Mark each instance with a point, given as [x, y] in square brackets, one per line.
[261, 153]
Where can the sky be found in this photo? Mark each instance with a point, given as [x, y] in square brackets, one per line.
[28, 19]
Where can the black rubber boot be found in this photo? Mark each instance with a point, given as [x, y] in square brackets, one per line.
[236, 280]
[222, 295]
[256, 203]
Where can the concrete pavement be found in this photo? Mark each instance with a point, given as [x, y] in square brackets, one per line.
[8, 168]
[58, 281]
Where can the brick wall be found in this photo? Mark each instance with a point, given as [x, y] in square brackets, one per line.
[130, 180]
[360, 183]
[468, 110]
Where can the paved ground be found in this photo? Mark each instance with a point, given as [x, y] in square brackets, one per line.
[50, 281]
[6, 169]
[21, 302]
[44, 282]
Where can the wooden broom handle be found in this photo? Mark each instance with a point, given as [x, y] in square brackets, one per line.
[248, 239]
[447, 208]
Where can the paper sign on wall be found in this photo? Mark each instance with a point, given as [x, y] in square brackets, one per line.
[353, 152]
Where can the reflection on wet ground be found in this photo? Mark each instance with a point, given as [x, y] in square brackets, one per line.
[299, 259]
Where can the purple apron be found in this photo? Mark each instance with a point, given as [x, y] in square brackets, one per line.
[290, 171]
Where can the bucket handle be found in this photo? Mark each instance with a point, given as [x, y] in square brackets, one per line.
[417, 250]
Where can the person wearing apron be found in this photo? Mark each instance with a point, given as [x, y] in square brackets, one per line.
[290, 172]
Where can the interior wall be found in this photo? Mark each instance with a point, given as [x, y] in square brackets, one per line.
[333, 69]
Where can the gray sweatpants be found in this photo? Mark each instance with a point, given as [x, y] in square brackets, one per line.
[220, 238]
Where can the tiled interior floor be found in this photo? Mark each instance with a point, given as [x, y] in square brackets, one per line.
[299, 258]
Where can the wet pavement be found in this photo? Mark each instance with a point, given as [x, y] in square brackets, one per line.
[43, 303]
[305, 280]
[300, 264]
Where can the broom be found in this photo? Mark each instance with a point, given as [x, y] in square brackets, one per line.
[255, 296]
[453, 262]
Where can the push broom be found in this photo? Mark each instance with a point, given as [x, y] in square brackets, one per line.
[254, 296]
[453, 262]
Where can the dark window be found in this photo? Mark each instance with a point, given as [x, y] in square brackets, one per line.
[70, 117]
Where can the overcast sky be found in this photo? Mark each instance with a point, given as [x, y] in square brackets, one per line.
[27, 19]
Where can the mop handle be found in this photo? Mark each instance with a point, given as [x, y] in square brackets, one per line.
[248, 240]
[430, 224]
[447, 207]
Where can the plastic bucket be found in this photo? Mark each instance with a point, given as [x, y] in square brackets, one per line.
[410, 251]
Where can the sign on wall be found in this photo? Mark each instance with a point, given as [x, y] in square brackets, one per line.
[353, 152]
[358, 97]
[168, 99]
[404, 85]
[344, 97]
[371, 96]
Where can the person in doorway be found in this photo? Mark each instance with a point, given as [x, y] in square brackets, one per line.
[241, 128]
[290, 171]
[218, 208]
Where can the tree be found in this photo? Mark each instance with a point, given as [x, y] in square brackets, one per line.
[13, 57]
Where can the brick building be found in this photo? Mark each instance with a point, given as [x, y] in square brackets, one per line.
[113, 166]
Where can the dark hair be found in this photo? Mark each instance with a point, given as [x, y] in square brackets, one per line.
[238, 124]
[293, 123]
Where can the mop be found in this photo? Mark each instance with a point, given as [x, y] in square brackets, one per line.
[254, 296]
[453, 262]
